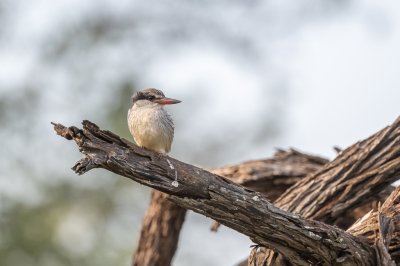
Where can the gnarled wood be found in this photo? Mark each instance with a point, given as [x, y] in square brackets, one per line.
[357, 176]
[301, 241]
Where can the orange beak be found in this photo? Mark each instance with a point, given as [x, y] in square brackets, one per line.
[167, 101]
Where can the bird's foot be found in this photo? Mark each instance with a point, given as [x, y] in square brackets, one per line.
[159, 155]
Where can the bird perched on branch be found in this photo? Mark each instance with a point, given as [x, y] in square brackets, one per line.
[150, 125]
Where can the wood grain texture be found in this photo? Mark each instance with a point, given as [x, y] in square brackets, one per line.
[302, 241]
[273, 176]
[160, 231]
[368, 225]
[357, 176]
[270, 177]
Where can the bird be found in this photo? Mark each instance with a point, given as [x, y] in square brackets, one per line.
[149, 123]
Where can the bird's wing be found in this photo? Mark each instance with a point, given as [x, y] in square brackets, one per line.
[169, 124]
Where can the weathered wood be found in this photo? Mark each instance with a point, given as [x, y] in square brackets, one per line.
[159, 235]
[271, 176]
[301, 241]
[366, 226]
[357, 176]
[383, 221]
[369, 224]
[274, 176]
[386, 228]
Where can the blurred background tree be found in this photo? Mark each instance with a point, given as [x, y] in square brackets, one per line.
[252, 75]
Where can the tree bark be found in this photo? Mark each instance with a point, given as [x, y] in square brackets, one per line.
[301, 241]
[386, 221]
[159, 235]
[345, 222]
[354, 178]
[274, 176]
[370, 224]
[357, 176]
[163, 220]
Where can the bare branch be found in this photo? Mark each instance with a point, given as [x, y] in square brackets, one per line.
[301, 241]
[274, 176]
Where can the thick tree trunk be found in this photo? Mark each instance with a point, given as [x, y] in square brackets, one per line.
[160, 232]
[301, 241]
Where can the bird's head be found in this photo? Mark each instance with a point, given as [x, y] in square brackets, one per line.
[152, 98]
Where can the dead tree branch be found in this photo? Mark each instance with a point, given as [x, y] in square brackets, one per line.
[270, 177]
[301, 241]
[358, 175]
[274, 176]
[355, 177]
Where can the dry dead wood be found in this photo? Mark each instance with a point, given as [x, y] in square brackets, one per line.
[368, 225]
[270, 177]
[301, 241]
[367, 228]
[358, 175]
[163, 219]
[273, 176]
[160, 232]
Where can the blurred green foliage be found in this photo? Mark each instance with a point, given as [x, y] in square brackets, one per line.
[67, 222]
[84, 60]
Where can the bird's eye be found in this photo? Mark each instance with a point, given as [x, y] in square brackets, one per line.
[151, 98]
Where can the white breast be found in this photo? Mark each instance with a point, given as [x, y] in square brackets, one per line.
[151, 128]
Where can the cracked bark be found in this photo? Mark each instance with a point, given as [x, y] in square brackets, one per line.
[302, 241]
[358, 175]
[368, 225]
[163, 220]
[272, 176]
[159, 235]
